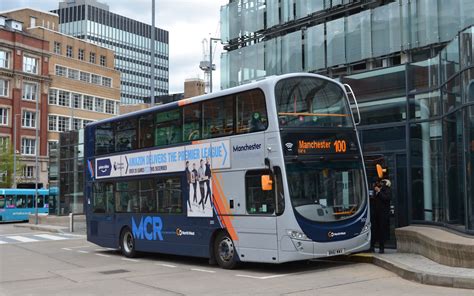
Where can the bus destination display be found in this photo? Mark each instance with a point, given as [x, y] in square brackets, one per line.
[303, 144]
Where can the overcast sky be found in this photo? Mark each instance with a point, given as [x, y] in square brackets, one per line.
[187, 21]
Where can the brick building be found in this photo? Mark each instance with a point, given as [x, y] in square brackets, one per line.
[24, 82]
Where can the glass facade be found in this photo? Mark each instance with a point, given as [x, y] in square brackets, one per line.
[415, 89]
[317, 44]
[131, 42]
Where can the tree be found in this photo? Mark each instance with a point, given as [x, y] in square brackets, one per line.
[7, 165]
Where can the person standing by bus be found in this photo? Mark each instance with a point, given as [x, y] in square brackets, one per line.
[188, 185]
[202, 181]
[208, 180]
[382, 199]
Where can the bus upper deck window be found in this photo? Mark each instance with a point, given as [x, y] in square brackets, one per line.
[251, 112]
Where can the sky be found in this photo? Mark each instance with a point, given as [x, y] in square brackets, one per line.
[187, 21]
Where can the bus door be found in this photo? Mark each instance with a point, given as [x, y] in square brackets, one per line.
[258, 230]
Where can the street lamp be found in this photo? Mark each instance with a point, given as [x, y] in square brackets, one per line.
[15, 123]
[37, 150]
[211, 65]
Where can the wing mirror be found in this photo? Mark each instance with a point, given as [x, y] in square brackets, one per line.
[267, 183]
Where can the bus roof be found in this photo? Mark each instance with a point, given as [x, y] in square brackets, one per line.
[12, 191]
[255, 84]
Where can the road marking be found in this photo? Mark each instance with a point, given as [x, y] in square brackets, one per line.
[102, 255]
[67, 249]
[50, 237]
[131, 260]
[83, 252]
[203, 270]
[261, 277]
[166, 265]
[22, 239]
[79, 247]
[2, 242]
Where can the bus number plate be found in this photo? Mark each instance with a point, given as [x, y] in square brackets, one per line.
[335, 252]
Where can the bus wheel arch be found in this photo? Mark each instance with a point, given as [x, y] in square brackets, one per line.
[222, 250]
[127, 243]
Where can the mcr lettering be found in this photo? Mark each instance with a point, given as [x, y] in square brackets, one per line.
[308, 147]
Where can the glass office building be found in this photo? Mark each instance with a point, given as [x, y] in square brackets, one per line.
[411, 65]
[130, 40]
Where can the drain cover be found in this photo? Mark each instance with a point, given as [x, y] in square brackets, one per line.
[114, 271]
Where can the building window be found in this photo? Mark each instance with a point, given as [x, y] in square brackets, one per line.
[109, 107]
[28, 119]
[3, 116]
[30, 65]
[28, 171]
[77, 101]
[4, 143]
[28, 146]
[107, 81]
[73, 74]
[52, 123]
[92, 57]
[86, 77]
[61, 71]
[77, 124]
[32, 21]
[57, 47]
[103, 61]
[80, 54]
[4, 59]
[3, 88]
[95, 79]
[53, 97]
[63, 98]
[99, 105]
[69, 51]
[63, 124]
[30, 91]
[86, 122]
[89, 103]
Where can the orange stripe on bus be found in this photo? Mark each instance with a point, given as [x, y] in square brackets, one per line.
[222, 207]
[184, 102]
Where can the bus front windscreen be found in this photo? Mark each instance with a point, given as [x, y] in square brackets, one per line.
[326, 191]
[311, 102]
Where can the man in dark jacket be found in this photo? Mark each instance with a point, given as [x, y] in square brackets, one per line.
[381, 207]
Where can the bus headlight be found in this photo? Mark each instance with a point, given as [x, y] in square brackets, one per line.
[365, 229]
[297, 235]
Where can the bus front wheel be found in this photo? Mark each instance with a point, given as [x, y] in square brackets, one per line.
[127, 243]
[224, 251]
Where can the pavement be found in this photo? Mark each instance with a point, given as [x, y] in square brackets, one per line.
[408, 266]
[417, 268]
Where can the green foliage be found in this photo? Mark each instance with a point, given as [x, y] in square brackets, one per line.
[7, 165]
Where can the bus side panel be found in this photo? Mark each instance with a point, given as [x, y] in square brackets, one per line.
[169, 234]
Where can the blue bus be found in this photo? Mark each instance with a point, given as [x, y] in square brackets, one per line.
[18, 204]
[271, 171]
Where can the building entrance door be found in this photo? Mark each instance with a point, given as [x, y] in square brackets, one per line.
[395, 172]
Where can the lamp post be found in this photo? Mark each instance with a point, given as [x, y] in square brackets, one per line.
[36, 158]
[152, 50]
[212, 66]
[15, 123]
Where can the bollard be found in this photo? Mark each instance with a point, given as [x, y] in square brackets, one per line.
[71, 222]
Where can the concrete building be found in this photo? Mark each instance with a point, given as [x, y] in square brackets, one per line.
[410, 65]
[24, 84]
[92, 21]
[193, 87]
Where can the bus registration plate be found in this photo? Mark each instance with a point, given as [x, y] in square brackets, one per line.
[336, 252]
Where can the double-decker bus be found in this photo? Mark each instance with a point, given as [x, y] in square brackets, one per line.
[18, 204]
[271, 171]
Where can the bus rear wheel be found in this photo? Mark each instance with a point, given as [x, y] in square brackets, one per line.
[224, 251]
[127, 243]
